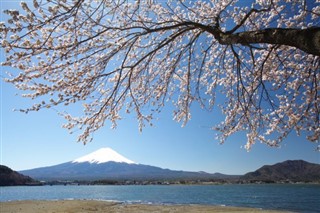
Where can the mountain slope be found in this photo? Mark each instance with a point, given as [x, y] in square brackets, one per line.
[8, 177]
[296, 170]
[108, 164]
[111, 171]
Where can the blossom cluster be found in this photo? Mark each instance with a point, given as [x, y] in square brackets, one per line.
[135, 56]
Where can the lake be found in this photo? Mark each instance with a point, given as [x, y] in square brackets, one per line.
[292, 197]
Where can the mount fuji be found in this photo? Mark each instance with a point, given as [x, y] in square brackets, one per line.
[106, 163]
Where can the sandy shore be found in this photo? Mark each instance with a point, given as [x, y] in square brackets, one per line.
[103, 206]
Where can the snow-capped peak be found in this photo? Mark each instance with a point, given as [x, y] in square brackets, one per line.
[103, 155]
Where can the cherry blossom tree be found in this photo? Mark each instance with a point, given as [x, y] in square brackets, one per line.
[261, 59]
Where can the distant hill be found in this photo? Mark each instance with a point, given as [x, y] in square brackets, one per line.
[105, 163]
[8, 177]
[291, 170]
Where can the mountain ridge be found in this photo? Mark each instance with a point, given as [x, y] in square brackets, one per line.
[98, 166]
[290, 170]
[9, 177]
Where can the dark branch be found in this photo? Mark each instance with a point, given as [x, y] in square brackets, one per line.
[307, 40]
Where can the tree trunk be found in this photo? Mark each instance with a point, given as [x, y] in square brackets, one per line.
[307, 40]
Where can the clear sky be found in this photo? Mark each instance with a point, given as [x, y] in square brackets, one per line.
[37, 139]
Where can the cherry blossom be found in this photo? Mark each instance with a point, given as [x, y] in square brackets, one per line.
[116, 57]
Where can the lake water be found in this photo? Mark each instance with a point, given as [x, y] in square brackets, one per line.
[292, 197]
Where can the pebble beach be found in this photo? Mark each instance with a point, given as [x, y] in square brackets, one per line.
[82, 206]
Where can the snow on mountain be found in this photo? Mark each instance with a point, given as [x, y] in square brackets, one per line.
[103, 155]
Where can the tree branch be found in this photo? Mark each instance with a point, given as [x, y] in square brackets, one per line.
[307, 40]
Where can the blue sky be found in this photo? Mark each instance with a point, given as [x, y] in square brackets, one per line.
[37, 139]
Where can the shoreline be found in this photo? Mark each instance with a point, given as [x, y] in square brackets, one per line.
[82, 206]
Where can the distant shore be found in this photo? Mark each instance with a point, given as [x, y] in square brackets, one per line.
[82, 206]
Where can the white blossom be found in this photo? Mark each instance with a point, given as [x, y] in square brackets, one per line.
[133, 56]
